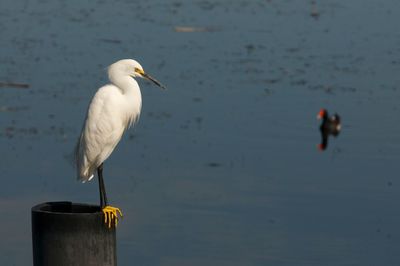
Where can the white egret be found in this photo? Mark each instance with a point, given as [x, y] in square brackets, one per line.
[113, 109]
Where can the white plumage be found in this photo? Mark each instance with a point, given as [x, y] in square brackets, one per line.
[113, 109]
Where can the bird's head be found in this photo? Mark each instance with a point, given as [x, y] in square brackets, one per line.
[322, 113]
[132, 68]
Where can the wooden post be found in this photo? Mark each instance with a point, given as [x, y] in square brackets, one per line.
[65, 233]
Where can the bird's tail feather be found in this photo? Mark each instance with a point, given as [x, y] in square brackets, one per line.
[84, 171]
[84, 179]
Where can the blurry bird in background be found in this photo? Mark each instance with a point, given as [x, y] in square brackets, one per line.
[331, 125]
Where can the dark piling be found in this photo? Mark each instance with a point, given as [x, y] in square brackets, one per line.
[65, 233]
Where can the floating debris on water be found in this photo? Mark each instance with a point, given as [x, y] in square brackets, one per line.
[13, 108]
[110, 41]
[194, 29]
[14, 85]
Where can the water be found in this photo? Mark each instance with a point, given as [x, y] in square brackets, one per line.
[222, 168]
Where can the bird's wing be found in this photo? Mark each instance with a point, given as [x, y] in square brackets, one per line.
[101, 132]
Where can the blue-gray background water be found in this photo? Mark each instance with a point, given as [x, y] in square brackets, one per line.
[223, 167]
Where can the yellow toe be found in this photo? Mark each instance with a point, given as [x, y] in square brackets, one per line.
[111, 215]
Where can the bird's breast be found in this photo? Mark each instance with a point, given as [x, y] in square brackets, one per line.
[133, 107]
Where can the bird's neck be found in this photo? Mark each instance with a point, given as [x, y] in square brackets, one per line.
[126, 84]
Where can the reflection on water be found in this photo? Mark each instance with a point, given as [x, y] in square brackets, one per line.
[222, 168]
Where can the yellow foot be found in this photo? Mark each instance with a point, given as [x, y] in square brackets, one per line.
[111, 215]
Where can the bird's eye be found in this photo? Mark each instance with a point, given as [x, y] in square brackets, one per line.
[139, 71]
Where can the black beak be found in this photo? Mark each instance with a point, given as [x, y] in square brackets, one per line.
[147, 76]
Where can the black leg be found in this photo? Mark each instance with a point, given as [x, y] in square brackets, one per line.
[103, 196]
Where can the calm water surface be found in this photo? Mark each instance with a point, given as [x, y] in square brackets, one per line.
[222, 168]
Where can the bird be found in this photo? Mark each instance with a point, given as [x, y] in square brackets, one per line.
[114, 108]
[329, 126]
